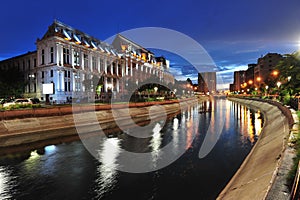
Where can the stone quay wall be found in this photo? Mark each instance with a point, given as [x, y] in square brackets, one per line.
[34, 128]
[257, 174]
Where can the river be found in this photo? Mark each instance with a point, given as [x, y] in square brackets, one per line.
[69, 171]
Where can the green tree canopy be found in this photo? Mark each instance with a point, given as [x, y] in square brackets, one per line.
[289, 73]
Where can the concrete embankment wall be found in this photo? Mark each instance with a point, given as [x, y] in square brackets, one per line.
[28, 127]
[256, 175]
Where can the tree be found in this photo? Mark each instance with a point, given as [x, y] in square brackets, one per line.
[289, 73]
[12, 82]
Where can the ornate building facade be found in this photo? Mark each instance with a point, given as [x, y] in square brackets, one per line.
[69, 64]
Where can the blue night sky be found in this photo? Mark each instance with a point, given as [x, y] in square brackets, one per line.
[234, 32]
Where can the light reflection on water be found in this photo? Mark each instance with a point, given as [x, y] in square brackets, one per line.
[67, 171]
[5, 183]
[107, 171]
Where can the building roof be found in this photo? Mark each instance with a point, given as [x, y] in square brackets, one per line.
[69, 33]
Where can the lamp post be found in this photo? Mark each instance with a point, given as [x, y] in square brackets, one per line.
[278, 85]
[267, 87]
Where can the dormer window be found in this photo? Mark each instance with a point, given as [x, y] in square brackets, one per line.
[86, 44]
[66, 34]
[77, 39]
[93, 45]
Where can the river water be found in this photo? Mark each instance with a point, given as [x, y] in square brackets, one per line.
[225, 131]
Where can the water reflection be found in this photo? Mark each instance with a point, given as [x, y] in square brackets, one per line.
[248, 121]
[155, 143]
[107, 171]
[5, 183]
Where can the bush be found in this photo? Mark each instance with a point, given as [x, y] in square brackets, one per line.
[21, 106]
[292, 173]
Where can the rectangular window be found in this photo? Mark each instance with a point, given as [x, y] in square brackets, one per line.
[76, 58]
[86, 61]
[94, 64]
[66, 73]
[23, 65]
[28, 64]
[43, 74]
[43, 56]
[66, 56]
[66, 86]
[69, 74]
[51, 73]
[69, 86]
[51, 55]
[101, 64]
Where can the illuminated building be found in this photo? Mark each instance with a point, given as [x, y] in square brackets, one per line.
[78, 65]
[265, 65]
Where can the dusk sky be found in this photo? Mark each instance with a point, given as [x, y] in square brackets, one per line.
[234, 33]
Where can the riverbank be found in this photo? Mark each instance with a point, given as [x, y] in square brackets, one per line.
[257, 176]
[24, 130]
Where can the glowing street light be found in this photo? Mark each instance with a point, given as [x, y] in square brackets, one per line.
[278, 84]
[258, 79]
[275, 73]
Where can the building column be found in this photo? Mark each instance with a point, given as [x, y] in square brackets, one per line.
[118, 85]
[117, 67]
[72, 56]
[126, 66]
[105, 84]
[105, 65]
[131, 72]
[58, 85]
[62, 80]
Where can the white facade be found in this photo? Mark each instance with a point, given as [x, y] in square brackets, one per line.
[76, 63]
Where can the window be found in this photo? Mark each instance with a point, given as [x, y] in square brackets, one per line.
[43, 74]
[94, 65]
[85, 61]
[23, 65]
[69, 74]
[66, 73]
[51, 55]
[34, 62]
[76, 58]
[43, 56]
[66, 86]
[66, 56]
[51, 73]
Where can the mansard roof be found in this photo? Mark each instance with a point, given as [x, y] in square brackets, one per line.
[71, 34]
[121, 41]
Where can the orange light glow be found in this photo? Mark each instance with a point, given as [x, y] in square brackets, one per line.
[275, 73]
[258, 78]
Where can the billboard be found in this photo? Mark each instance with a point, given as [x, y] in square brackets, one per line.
[48, 88]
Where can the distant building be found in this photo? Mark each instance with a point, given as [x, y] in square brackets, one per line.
[239, 80]
[257, 74]
[207, 82]
[264, 68]
[250, 74]
[69, 64]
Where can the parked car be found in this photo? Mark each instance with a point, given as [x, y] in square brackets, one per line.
[17, 101]
[35, 100]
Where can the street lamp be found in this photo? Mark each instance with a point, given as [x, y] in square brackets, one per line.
[275, 73]
[278, 84]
